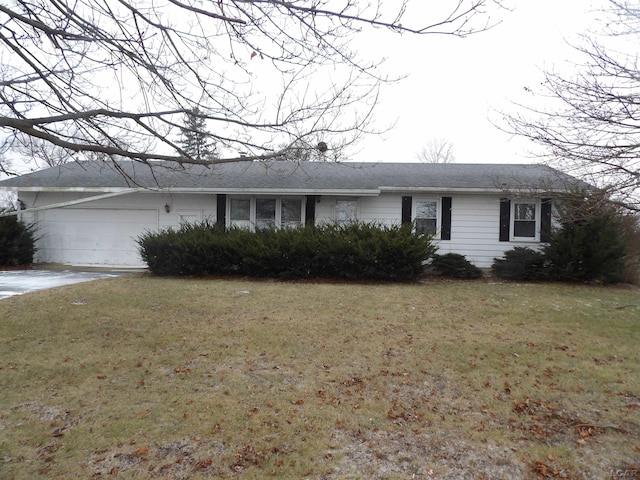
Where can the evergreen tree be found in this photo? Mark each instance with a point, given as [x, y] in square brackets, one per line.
[195, 139]
[17, 242]
[590, 243]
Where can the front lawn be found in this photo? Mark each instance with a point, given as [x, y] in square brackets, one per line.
[146, 377]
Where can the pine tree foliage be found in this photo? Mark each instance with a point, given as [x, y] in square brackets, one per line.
[17, 242]
[195, 139]
[589, 245]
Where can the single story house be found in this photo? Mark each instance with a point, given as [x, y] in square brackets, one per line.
[91, 213]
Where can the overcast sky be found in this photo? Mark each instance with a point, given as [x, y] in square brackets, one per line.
[456, 84]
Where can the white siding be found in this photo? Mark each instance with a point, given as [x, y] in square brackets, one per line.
[475, 224]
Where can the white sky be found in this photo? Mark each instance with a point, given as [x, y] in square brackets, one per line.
[455, 85]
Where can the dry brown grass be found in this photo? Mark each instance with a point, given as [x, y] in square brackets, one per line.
[143, 377]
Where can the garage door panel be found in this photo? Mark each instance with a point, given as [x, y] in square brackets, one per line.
[81, 236]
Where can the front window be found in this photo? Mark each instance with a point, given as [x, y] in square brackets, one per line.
[426, 216]
[524, 220]
[265, 213]
[240, 212]
[291, 212]
[346, 210]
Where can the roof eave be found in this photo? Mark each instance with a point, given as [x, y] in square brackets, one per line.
[279, 191]
[201, 190]
[70, 189]
[469, 190]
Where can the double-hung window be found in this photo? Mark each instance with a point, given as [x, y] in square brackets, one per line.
[240, 212]
[265, 213]
[291, 212]
[526, 220]
[426, 216]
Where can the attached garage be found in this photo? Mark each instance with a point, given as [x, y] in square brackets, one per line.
[92, 236]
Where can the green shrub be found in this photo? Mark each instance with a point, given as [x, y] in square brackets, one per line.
[455, 265]
[351, 251]
[594, 241]
[520, 263]
[590, 243]
[17, 242]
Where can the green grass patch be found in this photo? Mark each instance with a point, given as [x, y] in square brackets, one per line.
[147, 377]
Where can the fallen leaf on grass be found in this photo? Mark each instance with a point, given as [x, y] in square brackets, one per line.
[522, 407]
[143, 450]
[204, 464]
[587, 431]
[544, 471]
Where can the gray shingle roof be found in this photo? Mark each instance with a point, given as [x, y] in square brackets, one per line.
[302, 178]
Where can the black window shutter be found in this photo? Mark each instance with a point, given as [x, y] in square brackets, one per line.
[221, 210]
[445, 227]
[406, 209]
[310, 210]
[545, 220]
[505, 219]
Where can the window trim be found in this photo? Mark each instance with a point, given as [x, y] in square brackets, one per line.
[537, 219]
[438, 201]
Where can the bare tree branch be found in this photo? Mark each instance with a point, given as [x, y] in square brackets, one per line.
[437, 150]
[593, 127]
[115, 78]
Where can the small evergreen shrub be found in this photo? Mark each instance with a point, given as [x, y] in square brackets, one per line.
[455, 265]
[351, 251]
[17, 242]
[520, 263]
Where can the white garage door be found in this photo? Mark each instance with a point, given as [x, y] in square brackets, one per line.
[101, 237]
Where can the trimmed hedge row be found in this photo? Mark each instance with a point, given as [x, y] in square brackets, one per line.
[351, 251]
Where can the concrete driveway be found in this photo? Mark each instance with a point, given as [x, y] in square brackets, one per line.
[17, 282]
